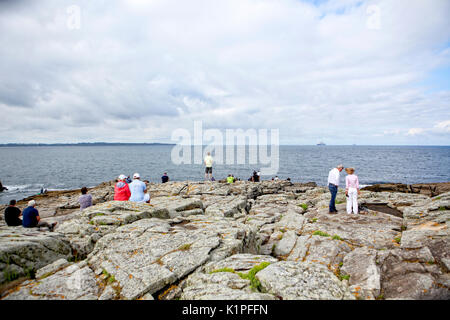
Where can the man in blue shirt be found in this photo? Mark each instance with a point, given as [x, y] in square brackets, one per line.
[137, 188]
[165, 178]
[32, 219]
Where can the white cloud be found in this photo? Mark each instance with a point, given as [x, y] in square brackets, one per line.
[443, 126]
[415, 131]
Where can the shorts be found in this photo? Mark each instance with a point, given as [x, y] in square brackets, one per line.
[208, 170]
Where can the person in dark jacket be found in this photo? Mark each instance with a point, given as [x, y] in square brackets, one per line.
[31, 218]
[12, 214]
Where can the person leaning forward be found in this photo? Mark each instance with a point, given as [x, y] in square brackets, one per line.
[333, 185]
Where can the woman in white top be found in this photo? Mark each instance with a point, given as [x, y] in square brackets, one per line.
[351, 190]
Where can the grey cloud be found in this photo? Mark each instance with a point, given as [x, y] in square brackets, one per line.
[133, 65]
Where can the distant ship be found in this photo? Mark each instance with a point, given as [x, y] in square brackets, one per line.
[321, 144]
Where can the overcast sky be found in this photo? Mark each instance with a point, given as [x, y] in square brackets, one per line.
[342, 72]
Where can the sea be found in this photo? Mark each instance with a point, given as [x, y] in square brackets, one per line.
[26, 170]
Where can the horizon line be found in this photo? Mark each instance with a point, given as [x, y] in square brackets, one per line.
[12, 144]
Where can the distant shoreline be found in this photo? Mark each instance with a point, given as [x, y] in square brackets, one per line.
[99, 144]
[83, 144]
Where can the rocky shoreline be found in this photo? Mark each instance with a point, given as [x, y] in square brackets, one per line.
[212, 240]
[429, 189]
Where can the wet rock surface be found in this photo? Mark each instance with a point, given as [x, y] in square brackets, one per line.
[268, 240]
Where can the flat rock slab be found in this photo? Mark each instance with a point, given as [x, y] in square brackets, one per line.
[374, 230]
[365, 275]
[24, 250]
[77, 282]
[411, 274]
[178, 206]
[231, 206]
[150, 254]
[187, 188]
[318, 249]
[291, 280]
[95, 222]
[220, 280]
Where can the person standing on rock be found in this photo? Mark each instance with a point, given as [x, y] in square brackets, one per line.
[351, 190]
[255, 177]
[12, 214]
[333, 185]
[121, 189]
[208, 166]
[31, 218]
[85, 199]
[137, 188]
[165, 178]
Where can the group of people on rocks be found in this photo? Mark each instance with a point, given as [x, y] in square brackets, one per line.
[30, 216]
[351, 189]
[136, 191]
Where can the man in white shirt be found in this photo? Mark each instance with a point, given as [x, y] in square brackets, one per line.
[137, 188]
[208, 163]
[333, 184]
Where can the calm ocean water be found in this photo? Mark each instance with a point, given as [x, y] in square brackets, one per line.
[25, 170]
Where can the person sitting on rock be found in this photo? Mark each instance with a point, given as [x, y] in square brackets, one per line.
[85, 199]
[12, 214]
[146, 197]
[165, 178]
[121, 189]
[230, 178]
[31, 218]
[137, 189]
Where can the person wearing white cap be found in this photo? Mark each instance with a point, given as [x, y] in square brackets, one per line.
[121, 189]
[31, 218]
[137, 188]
